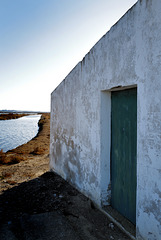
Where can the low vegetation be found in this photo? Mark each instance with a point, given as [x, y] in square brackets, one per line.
[38, 151]
[9, 159]
[9, 116]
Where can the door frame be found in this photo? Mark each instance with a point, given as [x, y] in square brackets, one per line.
[105, 144]
[124, 123]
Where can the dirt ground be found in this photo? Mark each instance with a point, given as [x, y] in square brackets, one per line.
[28, 187]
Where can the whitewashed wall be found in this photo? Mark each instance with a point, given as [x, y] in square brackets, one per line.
[128, 55]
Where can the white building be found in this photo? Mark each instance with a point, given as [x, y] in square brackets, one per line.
[106, 120]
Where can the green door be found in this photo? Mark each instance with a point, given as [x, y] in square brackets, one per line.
[123, 152]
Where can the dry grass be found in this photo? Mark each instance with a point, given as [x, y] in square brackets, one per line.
[38, 151]
[9, 116]
[6, 175]
[2, 156]
[10, 159]
[11, 182]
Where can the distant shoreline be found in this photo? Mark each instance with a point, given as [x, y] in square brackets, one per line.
[9, 116]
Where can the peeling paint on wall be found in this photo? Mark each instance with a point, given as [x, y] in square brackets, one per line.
[128, 55]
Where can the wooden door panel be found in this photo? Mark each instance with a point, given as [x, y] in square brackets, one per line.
[123, 152]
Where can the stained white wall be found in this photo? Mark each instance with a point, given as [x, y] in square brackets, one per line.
[128, 55]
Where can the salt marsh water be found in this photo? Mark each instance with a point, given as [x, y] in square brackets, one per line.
[16, 132]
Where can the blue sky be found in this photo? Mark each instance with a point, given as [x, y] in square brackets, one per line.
[42, 40]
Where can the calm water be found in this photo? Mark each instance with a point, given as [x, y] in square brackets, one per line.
[16, 132]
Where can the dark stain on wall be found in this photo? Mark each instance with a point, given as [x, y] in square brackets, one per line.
[154, 206]
[66, 155]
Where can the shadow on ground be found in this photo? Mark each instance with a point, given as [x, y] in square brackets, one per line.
[49, 208]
